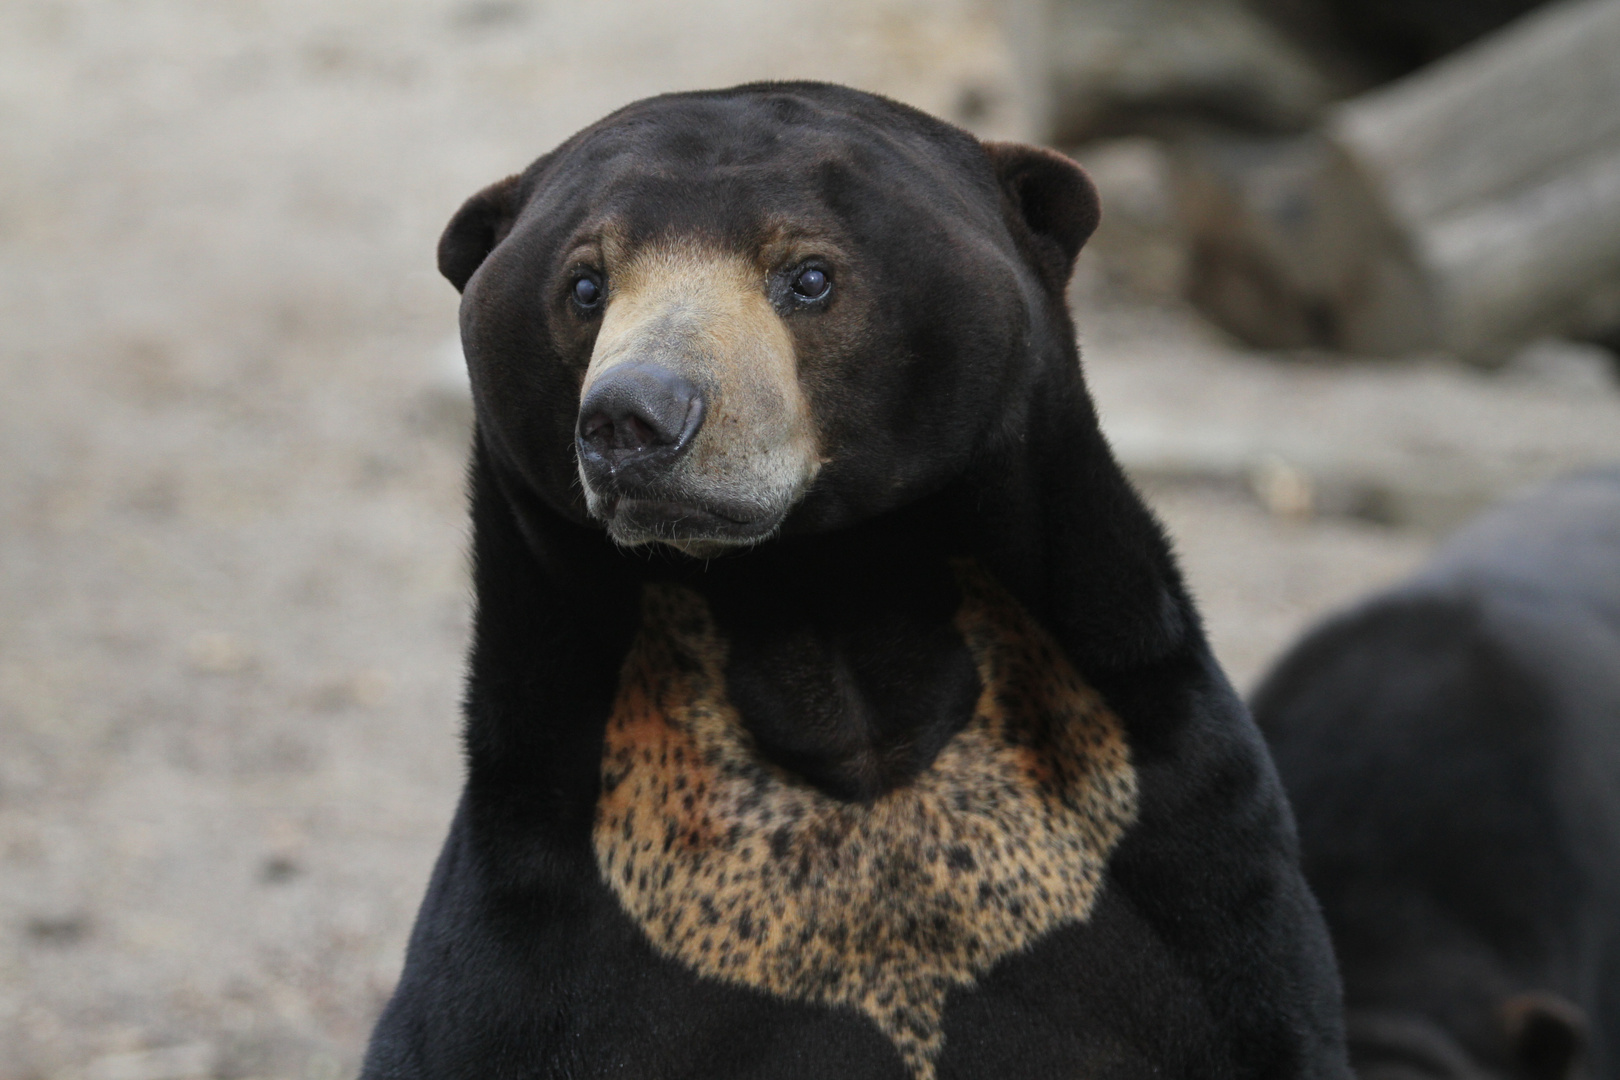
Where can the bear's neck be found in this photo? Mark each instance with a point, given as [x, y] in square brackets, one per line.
[843, 660]
[842, 657]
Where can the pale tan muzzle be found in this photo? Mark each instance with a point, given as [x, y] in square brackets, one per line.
[706, 317]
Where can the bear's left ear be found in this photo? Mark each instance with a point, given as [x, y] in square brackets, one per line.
[1053, 197]
[482, 222]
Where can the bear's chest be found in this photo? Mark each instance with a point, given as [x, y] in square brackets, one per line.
[742, 872]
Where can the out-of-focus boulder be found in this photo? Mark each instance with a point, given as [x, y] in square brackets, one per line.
[1290, 247]
[1118, 66]
[1140, 248]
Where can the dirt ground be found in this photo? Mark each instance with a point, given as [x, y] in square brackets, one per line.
[232, 591]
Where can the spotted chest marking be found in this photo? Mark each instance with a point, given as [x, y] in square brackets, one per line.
[745, 873]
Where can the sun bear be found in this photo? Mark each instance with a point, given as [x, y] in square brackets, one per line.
[1453, 748]
[835, 707]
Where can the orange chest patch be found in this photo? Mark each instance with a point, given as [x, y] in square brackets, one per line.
[743, 872]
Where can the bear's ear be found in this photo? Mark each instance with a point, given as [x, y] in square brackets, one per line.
[1547, 1035]
[482, 222]
[1053, 197]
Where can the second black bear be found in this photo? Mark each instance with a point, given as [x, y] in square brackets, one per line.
[835, 708]
[1453, 751]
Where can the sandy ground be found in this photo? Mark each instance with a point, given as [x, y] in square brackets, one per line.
[232, 592]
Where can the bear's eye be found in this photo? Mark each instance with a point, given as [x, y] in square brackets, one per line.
[587, 292]
[811, 284]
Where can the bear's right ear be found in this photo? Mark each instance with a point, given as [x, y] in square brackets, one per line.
[482, 222]
[1053, 197]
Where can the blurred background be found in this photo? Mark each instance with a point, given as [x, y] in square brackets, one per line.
[1358, 277]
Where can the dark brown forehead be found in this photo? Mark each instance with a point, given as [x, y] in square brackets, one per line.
[766, 164]
[605, 245]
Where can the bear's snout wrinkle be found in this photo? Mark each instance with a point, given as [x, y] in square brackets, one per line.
[635, 423]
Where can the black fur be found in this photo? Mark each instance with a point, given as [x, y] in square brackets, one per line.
[945, 381]
[1452, 748]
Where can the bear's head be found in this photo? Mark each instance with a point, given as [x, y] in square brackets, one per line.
[712, 316]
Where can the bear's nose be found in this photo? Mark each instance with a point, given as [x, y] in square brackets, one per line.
[636, 421]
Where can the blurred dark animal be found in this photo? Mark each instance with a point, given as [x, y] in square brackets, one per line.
[1452, 750]
[835, 707]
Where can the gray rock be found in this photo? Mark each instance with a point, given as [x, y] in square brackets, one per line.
[1116, 63]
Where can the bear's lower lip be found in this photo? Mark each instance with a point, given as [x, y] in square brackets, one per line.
[639, 521]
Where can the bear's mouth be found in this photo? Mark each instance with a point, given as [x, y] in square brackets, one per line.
[702, 530]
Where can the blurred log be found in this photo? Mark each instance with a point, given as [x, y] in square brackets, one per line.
[1498, 116]
[1503, 165]
[1525, 263]
[1471, 206]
